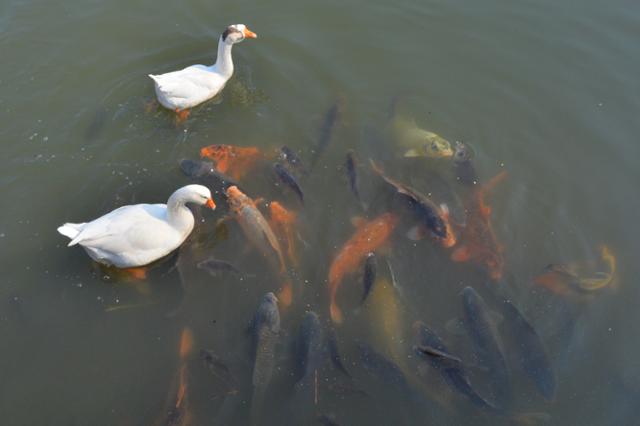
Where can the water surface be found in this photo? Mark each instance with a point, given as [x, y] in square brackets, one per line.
[544, 89]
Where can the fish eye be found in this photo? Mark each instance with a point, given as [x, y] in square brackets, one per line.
[434, 146]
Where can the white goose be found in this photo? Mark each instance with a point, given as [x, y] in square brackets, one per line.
[139, 234]
[184, 89]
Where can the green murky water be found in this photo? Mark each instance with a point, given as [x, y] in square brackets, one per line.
[546, 90]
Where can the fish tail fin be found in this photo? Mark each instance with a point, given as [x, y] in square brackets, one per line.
[72, 231]
[336, 313]
[285, 294]
[494, 181]
[186, 343]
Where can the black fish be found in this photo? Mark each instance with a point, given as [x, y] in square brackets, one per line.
[309, 352]
[352, 175]
[219, 369]
[326, 130]
[288, 179]
[369, 276]
[530, 351]
[386, 371]
[215, 266]
[485, 340]
[203, 172]
[266, 329]
[425, 210]
[288, 155]
[432, 349]
[463, 166]
[334, 353]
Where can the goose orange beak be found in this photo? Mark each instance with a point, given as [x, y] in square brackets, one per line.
[249, 34]
[210, 204]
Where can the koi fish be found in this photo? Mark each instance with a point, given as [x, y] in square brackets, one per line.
[283, 222]
[215, 267]
[178, 411]
[289, 155]
[431, 348]
[205, 173]
[368, 237]
[486, 342]
[287, 178]
[260, 235]
[235, 161]
[352, 175]
[431, 217]
[478, 239]
[266, 330]
[254, 225]
[384, 315]
[577, 277]
[220, 371]
[331, 118]
[464, 170]
[530, 351]
[414, 141]
[309, 358]
[369, 276]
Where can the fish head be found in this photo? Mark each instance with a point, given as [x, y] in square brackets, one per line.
[279, 213]
[462, 152]
[436, 147]
[271, 298]
[218, 153]
[236, 197]
[423, 143]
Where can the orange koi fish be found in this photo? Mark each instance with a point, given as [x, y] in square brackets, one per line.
[283, 222]
[260, 235]
[432, 219]
[178, 412]
[478, 239]
[369, 236]
[580, 277]
[234, 161]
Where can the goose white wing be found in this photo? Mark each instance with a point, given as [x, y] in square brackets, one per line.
[187, 87]
[129, 235]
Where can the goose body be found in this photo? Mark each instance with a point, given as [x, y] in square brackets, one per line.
[186, 88]
[139, 234]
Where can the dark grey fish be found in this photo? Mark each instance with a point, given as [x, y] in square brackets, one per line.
[385, 371]
[369, 276]
[352, 174]
[309, 351]
[204, 173]
[530, 351]
[265, 329]
[289, 155]
[433, 350]
[463, 166]
[216, 266]
[485, 340]
[288, 179]
[431, 216]
[331, 118]
[220, 370]
[97, 124]
[334, 352]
